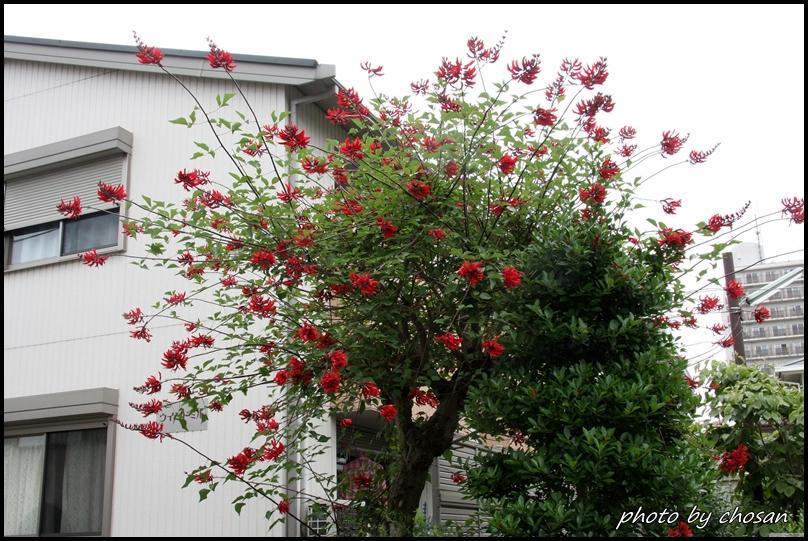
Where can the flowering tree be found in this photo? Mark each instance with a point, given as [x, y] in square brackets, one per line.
[394, 269]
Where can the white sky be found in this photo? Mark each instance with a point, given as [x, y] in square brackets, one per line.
[728, 74]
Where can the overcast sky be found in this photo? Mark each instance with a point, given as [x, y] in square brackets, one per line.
[728, 74]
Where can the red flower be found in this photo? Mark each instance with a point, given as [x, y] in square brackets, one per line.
[369, 390]
[671, 143]
[141, 334]
[735, 289]
[762, 314]
[493, 348]
[346, 423]
[92, 259]
[507, 163]
[795, 207]
[220, 59]
[261, 306]
[512, 277]
[308, 332]
[735, 460]
[727, 342]
[418, 189]
[181, 390]
[293, 138]
[692, 382]
[151, 430]
[424, 398]
[330, 382]
[147, 55]
[700, 156]
[718, 328]
[339, 359]
[240, 462]
[263, 259]
[527, 70]
[71, 209]
[193, 179]
[204, 477]
[452, 341]
[152, 407]
[274, 450]
[388, 411]
[681, 530]
[471, 271]
[283, 506]
[594, 74]
[366, 285]
[281, 377]
[458, 477]
[111, 194]
[627, 132]
[451, 168]
[312, 165]
[676, 238]
[289, 193]
[388, 229]
[595, 194]
[352, 148]
[545, 117]
[151, 386]
[669, 205]
[437, 234]
[176, 298]
[608, 169]
[176, 356]
[707, 304]
[627, 150]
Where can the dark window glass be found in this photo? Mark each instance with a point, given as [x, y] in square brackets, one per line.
[34, 243]
[98, 230]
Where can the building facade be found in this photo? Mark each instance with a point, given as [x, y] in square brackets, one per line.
[777, 344]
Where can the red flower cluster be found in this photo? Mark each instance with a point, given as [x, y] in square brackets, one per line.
[608, 169]
[718, 328]
[681, 530]
[71, 209]
[594, 74]
[176, 298]
[261, 306]
[219, 58]
[708, 303]
[352, 148]
[507, 163]
[424, 398]
[176, 356]
[293, 138]
[512, 277]
[283, 506]
[438, 234]
[151, 386]
[339, 359]
[387, 228]
[369, 390]
[452, 341]
[263, 259]
[671, 143]
[795, 207]
[669, 205]
[692, 382]
[418, 189]
[471, 271]
[147, 55]
[727, 342]
[458, 477]
[493, 348]
[240, 462]
[92, 259]
[545, 117]
[527, 70]
[735, 460]
[762, 314]
[141, 334]
[111, 194]
[455, 72]
[312, 165]
[307, 332]
[191, 180]
[151, 430]
[675, 238]
[330, 382]
[364, 283]
[388, 412]
[700, 156]
[735, 289]
[594, 195]
[346, 423]
[152, 407]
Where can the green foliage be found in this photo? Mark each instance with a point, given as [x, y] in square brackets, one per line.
[757, 410]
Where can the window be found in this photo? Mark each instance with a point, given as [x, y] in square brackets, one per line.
[36, 180]
[752, 277]
[67, 237]
[798, 328]
[58, 452]
[54, 483]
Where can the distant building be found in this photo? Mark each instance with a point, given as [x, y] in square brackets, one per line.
[777, 344]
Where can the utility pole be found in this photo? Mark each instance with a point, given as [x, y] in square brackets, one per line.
[734, 310]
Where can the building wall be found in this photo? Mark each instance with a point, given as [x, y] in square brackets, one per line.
[62, 325]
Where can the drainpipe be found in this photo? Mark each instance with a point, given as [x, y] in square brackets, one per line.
[294, 488]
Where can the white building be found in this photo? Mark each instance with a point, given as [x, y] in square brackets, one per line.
[779, 342]
[76, 113]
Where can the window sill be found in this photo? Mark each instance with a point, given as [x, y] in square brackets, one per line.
[120, 248]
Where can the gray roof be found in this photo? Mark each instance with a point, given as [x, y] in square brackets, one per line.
[308, 75]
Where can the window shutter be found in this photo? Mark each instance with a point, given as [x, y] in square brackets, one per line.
[32, 200]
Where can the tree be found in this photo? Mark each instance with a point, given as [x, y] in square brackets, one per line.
[384, 270]
[759, 438]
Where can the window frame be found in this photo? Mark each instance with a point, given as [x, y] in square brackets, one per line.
[62, 412]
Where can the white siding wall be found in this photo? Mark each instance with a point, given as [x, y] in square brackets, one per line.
[62, 325]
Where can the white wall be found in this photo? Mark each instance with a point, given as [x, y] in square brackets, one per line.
[62, 326]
